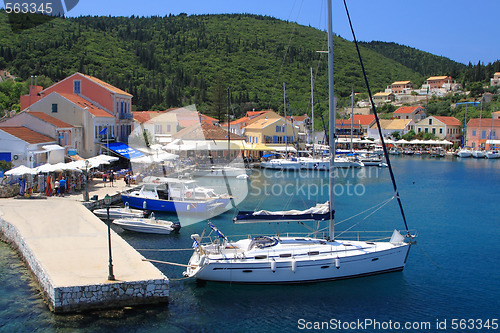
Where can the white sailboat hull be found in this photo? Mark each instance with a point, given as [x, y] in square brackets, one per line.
[464, 153]
[492, 154]
[478, 154]
[334, 261]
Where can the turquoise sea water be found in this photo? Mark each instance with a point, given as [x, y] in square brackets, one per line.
[452, 272]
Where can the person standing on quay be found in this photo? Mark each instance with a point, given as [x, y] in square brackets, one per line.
[62, 187]
[111, 177]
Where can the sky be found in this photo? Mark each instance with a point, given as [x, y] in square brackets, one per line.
[462, 30]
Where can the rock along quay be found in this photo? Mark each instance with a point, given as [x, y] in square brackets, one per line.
[66, 248]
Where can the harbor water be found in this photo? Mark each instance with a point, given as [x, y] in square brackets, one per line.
[450, 280]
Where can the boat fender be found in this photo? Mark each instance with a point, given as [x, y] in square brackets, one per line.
[189, 194]
[273, 265]
[337, 263]
[202, 260]
[144, 205]
[294, 265]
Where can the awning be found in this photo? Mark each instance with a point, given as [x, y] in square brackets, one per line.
[123, 150]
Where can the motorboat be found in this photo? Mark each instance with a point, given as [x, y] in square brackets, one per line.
[492, 154]
[149, 225]
[119, 212]
[478, 154]
[370, 159]
[175, 195]
[464, 152]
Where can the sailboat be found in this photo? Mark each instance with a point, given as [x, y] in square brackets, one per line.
[285, 260]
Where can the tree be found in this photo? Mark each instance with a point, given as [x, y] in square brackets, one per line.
[218, 97]
[476, 89]
[396, 135]
[409, 136]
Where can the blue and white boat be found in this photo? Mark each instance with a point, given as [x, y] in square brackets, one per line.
[175, 195]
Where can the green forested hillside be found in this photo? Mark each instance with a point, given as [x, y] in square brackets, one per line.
[178, 60]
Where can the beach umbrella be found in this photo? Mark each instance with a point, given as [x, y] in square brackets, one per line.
[47, 167]
[21, 170]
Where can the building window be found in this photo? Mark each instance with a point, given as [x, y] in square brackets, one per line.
[77, 87]
[278, 128]
[483, 135]
[473, 133]
[54, 108]
[441, 130]
[426, 130]
[169, 128]
[430, 121]
[434, 131]
[419, 130]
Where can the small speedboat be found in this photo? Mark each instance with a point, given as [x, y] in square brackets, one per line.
[119, 212]
[149, 225]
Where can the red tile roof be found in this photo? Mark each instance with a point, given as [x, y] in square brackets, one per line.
[106, 85]
[483, 123]
[407, 109]
[49, 119]
[364, 119]
[27, 135]
[252, 114]
[83, 103]
[450, 121]
[143, 116]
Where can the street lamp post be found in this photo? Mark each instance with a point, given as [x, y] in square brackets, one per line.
[86, 194]
[111, 276]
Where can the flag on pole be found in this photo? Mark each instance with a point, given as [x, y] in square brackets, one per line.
[104, 131]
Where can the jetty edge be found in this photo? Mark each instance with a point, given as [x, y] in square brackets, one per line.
[65, 247]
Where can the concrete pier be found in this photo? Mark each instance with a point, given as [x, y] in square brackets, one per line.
[66, 248]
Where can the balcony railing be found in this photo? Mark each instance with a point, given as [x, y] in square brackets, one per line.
[127, 116]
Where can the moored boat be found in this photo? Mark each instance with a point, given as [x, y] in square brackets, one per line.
[175, 195]
[119, 212]
[149, 225]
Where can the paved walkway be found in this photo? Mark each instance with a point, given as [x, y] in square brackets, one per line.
[71, 243]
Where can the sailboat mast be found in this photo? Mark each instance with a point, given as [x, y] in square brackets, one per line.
[312, 110]
[332, 120]
[284, 106]
[352, 116]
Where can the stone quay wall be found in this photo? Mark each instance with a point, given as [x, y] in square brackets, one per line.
[112, 294]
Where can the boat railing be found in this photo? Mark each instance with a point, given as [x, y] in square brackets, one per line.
[217, 245]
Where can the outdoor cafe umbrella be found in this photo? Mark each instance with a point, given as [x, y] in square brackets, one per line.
[21, 170]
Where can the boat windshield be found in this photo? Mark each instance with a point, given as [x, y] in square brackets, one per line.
[262, 242]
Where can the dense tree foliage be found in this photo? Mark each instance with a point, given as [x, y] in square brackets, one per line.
[178, 60]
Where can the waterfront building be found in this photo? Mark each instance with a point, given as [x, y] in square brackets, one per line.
[100, 109]
[238, 126]
[19, 145]
[445, 128]
[389, 126]
[480, 131]
[63, 134]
